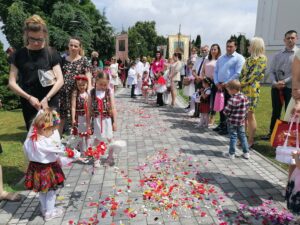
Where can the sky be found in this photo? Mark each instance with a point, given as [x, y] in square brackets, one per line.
[214, 20]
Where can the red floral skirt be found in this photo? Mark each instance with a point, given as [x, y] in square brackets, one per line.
[204, 107]
[44, 177]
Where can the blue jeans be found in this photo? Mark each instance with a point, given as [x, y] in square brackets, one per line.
[237, 132]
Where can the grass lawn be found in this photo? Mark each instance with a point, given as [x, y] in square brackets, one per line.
[263, 116]
[12, 136]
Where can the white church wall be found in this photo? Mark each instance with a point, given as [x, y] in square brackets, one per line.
[274, 18]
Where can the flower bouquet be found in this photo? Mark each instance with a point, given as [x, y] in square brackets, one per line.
[70, 155]
[96, 152]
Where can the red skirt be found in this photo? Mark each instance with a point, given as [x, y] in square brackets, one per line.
[204, 107]
[44, 177]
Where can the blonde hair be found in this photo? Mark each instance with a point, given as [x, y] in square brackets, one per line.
[234, 85]
[35, 24]
[81, 52]
[257, 46]
[47, 118]
[95, 54]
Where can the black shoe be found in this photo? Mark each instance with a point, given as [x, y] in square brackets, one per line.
[223, 132]
[217, 129]
[266, 137]
[133, 96]
[187, 107]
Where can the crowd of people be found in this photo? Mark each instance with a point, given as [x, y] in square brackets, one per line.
[82, 91]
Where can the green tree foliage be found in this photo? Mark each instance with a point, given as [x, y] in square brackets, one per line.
[242, 44]
[197, 43]
[8, 98]
[14, 24]
[143, 39]
[64, 19]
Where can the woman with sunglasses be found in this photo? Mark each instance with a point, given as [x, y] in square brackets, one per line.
[33, 59]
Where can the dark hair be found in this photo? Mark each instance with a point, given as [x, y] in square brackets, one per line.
[95, 59]
[159, 53]
[101, 75]
[178, 55]
[290, 32]
[231, 40]
[207, 80]
[219, 51]
[132, 63]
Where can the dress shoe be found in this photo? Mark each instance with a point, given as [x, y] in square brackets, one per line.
[223, 132]
[217, 129]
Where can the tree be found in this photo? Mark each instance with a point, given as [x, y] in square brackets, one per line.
[64, 19]
[9, 99]
[197, 43]
[14, 24]
[242, 43]
[143, 39]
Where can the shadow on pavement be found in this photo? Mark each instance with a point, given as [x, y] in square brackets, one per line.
[244, 190]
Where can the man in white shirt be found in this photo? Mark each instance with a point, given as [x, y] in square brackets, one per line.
[139, 68]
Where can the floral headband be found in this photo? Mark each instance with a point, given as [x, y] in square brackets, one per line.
[55, 121]
[81, 77]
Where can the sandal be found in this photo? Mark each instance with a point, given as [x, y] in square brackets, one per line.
[8, 196]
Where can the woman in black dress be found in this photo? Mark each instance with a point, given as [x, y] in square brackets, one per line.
[27, 63]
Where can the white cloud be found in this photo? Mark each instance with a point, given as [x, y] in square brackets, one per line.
[214, 20]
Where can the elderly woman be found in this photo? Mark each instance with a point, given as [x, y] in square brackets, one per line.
[72, 65]
[29, 67]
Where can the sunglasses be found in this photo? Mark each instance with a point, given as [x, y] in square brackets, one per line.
[38, 40]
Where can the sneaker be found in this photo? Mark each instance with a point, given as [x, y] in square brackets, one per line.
[56, 212]
[97, 163]
[246, 155]
[229, 156]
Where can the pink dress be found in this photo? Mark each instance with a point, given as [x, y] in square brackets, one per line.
[158, 66]
[209, 67]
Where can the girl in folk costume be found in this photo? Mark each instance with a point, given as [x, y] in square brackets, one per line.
[81, 119]
[108, 72]
[160, 88]
[104, 114]
[44, 174]
[204, 107]
[189, 85]
[145, 85]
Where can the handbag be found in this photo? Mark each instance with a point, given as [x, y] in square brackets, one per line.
[284, 152]
[219, 101]
[47, 77]
[280, 132]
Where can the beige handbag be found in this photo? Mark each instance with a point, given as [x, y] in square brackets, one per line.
[47, 78]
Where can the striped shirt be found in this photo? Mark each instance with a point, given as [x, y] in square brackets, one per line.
[236, 109]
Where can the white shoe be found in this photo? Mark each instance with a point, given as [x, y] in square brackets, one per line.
[246, 155]
[191, 112]
[186, 110]
[229, 156]
[198, 125]
[56, 212]
[97, 163]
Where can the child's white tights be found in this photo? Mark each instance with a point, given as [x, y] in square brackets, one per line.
[204, 119]
[47, 201]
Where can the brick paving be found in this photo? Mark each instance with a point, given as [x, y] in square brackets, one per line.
[243, 181]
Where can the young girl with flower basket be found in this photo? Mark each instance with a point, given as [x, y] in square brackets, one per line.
[160, 88]
[44, 174]
[80, 103]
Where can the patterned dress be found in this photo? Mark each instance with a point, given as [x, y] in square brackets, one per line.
[70, 70]
[252, 73]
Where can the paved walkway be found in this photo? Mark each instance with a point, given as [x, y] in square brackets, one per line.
[154, 181]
